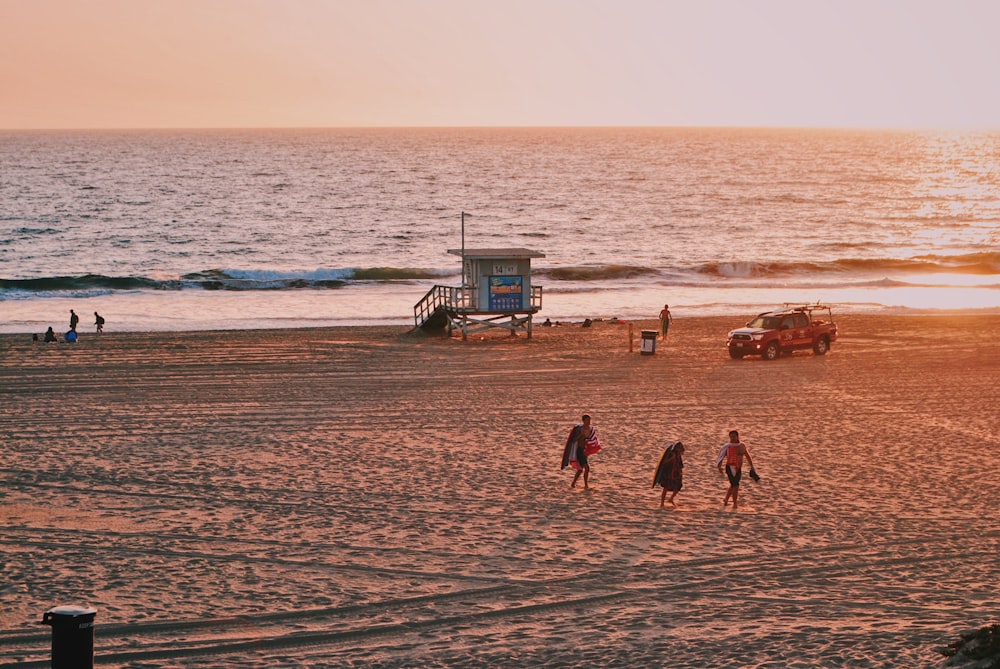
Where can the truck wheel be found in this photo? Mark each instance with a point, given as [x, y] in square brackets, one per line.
[821, 346]
[772, 351]
[735, 355]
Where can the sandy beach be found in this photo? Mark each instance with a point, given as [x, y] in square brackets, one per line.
[370, 497]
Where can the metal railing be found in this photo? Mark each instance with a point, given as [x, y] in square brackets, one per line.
[460, 301]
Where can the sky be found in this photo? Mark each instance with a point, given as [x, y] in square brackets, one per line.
[403, 63]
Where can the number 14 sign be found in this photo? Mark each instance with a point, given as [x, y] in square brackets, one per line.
[504, 269]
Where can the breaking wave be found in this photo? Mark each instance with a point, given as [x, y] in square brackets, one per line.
[987, 263]
[595, 273]
[975, 264]
[858, 272]
[216, 279]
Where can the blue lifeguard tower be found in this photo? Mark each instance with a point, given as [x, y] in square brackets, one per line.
[496, 292]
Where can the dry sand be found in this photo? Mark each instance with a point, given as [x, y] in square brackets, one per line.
[368, 497]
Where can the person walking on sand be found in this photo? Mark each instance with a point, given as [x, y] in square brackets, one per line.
[731, 456]
[670, 472]
[73, 320]
[665, 320]
[99, 322]
[581, 444]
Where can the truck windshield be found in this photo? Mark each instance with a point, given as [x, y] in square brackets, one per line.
[764, 323]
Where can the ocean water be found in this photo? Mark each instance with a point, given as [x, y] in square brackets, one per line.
[233, 229]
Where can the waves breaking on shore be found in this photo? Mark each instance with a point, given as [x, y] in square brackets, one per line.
[848, 271]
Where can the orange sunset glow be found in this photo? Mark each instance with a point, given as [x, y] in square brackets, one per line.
[395, 334]
[340, 63]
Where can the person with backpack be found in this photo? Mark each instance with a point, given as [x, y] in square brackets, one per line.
[581, 444]
[99, 322]
[670, 472]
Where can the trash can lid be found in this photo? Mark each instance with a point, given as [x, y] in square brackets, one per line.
[73, 611]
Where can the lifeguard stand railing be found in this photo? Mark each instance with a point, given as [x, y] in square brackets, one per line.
[439, 304]
[457, 307]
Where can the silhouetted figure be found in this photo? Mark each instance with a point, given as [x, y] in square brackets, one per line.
[670, 472]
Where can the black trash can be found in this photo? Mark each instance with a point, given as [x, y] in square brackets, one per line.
[72, 636]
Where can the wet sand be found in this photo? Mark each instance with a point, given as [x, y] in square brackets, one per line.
[369, 497]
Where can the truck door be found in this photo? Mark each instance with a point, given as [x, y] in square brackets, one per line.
[787, 332]
[802, 329]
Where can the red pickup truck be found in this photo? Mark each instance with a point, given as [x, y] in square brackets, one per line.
[774, 333]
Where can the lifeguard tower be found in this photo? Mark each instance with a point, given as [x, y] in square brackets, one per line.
[496, 292]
